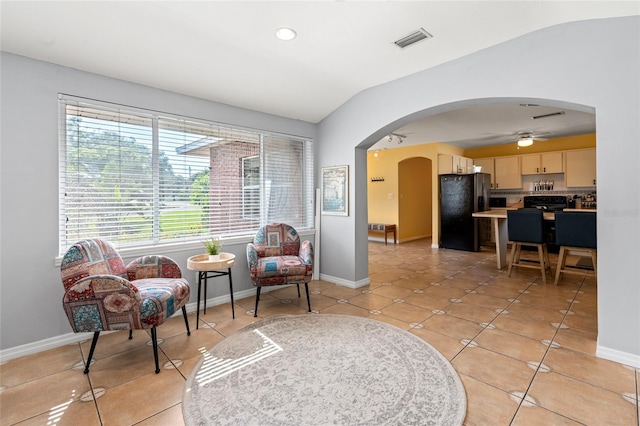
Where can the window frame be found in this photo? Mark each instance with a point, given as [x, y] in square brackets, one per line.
[306, 189]
[250, 188]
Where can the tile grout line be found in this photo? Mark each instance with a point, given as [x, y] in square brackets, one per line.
[489, 322]
[551, 341]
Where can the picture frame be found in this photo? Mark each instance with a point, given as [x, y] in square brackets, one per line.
[335, 191]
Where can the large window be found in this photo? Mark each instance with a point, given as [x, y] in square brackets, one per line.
[139, 178]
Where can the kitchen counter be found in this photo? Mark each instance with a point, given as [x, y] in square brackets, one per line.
[580, 210]
[502, 214]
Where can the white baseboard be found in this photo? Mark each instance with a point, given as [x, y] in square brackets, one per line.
[43, 345]
[399, 241]
[380, 240]
[340, 281]
[618, 356]
[69, 338]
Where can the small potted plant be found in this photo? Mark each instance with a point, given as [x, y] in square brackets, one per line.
[213, 246]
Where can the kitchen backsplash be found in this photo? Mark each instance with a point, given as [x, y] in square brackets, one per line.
[532, 182]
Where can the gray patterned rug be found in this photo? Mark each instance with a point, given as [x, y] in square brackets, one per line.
[323, 370]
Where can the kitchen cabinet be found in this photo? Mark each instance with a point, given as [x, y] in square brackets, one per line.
[580, 168]
[507, 173]
[456, 164]
[540, 164]
[487, 167]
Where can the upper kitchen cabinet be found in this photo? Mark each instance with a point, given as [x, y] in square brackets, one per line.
[454, 164]
[507, 173]
[487, 167]
[540, 164]
[580, 168]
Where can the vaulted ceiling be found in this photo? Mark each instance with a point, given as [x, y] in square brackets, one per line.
[226, 51]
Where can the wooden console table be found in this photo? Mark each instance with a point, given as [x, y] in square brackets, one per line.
[384, 228]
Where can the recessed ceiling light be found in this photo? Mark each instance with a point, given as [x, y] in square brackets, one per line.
[285, 34]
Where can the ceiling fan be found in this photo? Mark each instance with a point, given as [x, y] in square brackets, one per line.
[527, 138]
[522, 138]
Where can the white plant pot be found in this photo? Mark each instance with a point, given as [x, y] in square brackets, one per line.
[214, 258]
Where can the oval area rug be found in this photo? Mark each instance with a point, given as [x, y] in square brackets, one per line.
[323, 370]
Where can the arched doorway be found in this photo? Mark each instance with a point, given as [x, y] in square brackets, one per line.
[414, 198]
[399, 192]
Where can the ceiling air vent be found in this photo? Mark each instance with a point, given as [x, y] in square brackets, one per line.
[536, 117]
[412, 38]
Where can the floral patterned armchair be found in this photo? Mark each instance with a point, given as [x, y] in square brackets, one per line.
[102, 294]
[276, 257]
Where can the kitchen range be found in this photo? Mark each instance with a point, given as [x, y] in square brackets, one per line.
[548, 203]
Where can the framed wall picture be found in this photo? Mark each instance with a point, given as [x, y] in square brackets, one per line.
[335, 191]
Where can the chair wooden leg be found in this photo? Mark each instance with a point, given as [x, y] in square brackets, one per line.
[562, 258]
[186, 320]
[543, 264]
[546, 258]
[594, 260]
[512, 257]
[93, 347]
[154, 340]
[306, 288]
[255, 311]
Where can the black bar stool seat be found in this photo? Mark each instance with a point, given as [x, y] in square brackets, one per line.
[576, 235]
[526, 228]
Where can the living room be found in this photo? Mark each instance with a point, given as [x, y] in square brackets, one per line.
[594, 63]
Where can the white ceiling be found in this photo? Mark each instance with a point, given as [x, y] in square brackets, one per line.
[226, 51]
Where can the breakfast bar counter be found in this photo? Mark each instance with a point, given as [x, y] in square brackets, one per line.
[499, 218]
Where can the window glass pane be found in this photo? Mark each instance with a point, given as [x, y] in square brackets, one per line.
[183, 181]
[251, 188]
[108, 178]
[284, 181]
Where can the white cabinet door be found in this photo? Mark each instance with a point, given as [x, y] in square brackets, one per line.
[581, 168]
[507, 172]
[445, 164]
[552, 162]
[541, 164]
[487, 167]
[530, 164]
[448, 163]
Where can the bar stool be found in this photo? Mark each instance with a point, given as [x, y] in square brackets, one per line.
[525, 228]
[576, 235]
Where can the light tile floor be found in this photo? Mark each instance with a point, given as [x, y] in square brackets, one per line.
[524, 351]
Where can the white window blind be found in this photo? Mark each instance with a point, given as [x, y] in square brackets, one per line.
[138, 177]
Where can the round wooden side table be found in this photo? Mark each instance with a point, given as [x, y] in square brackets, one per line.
[211, 269]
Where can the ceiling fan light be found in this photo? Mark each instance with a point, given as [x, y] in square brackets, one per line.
[525, 141]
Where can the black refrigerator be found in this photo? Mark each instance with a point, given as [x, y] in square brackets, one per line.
[460, 196]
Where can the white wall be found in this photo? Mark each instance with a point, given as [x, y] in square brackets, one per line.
[595, 64]
[30, 287]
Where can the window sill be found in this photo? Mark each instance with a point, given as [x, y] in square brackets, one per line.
[167, 248]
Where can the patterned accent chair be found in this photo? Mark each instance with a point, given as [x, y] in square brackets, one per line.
[276, 257]
[102, 294]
